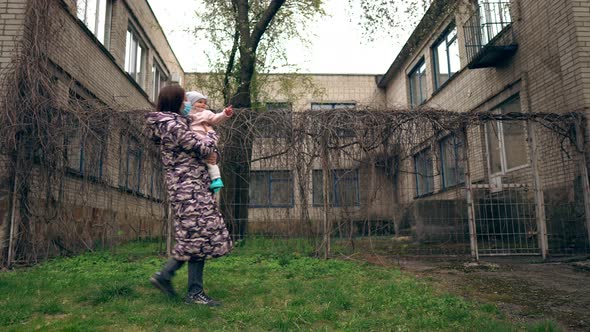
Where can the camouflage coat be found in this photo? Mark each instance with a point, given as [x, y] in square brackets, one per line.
[200, 231]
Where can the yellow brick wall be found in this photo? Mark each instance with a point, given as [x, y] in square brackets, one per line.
[303, 89]
[12, 15]
[102, 71]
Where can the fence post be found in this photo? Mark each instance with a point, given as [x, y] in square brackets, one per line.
[325, 185]
[12, 223]
[538, 189]
[469, 197]
[584, 174]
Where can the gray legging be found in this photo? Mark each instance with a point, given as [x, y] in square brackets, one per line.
[195, 273]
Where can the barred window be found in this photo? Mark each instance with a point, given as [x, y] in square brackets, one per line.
[130, 167]
[452, 161]
[157, 181]
[343, 187]
[85, 145]
[271, 189]
[424, 172]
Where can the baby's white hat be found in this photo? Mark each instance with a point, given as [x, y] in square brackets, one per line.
[193, 96]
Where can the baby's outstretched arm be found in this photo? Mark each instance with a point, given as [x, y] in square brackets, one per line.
[219, 118]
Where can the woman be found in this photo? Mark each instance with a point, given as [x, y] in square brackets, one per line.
[200, 231]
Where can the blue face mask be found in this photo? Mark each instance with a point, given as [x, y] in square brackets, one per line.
[187, 108]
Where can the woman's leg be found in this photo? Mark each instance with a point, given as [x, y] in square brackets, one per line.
[162, 279]
[196, 293]
[195, 276]
[170, 268]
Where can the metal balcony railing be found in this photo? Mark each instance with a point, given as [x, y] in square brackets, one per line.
[488, 35]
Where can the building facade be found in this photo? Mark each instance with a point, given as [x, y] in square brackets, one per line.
[101, 57]
[499, 57]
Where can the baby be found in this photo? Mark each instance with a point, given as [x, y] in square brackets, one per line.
[201, 121]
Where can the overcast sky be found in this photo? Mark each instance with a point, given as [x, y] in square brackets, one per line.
[337, 48]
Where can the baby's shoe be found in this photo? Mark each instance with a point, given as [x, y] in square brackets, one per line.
[216, 185]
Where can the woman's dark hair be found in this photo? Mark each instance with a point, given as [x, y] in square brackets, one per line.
[170, 99]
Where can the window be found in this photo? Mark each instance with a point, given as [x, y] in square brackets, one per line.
[418, 84]
[452, 154]
[96, 14]
[159, 80]
[157, 180]
[130, 165]
[506, 141]
[342, 130]
[277, 121]
[424, 172]
[331, 106]
[85, 153]
[85, 145]
[271, 189]
[446, 57]
[134, 56]
[343, 187]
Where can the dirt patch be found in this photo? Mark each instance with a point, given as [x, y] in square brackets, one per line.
[524, 289]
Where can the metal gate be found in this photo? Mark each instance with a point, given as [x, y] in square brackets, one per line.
[505, 221]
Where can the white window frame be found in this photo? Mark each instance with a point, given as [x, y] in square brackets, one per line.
[133, 42]
[158, 77]
[503, 159]
[100, 24]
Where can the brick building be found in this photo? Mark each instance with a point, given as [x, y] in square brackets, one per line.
[500, 57]
[524, 184]
[107, 54]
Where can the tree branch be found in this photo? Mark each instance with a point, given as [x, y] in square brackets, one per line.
[264, 22]
[230, 62]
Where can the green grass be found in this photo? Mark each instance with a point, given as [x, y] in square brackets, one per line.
[264, 285]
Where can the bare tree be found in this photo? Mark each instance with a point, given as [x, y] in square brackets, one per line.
[247, 36]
